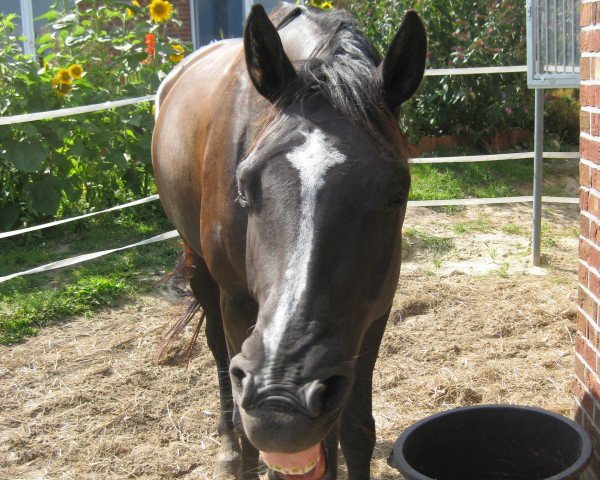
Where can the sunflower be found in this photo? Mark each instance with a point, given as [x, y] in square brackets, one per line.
[63, 77]
[177, 56]
[326, 6]
[62, 89]
[130, 12]
[76, 71]
[160, 10]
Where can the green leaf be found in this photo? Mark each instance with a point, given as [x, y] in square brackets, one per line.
[134, 120]
[27, 155]
[45, 195]
[73, 188]
[9, 214]
[119, 159]
[65, 21]
[46, 37]
[71, 41]
[124, 47]
[78, 148]
[5, 131]
[132, 181]
[50, 16]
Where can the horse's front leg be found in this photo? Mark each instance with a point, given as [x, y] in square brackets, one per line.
[207, 292]
[239, 316]
[357, 429]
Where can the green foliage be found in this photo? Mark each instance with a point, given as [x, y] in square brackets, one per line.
[31, 302]
[93, 52]
[561, 114]
[476, 180]
[461, 34]
[481, 225]
[45, 307]
[415, 239]
[513, 229]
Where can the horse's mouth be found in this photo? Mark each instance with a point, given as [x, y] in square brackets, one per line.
[309, 464]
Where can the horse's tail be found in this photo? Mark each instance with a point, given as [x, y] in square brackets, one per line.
[175, 281]
[177, 328]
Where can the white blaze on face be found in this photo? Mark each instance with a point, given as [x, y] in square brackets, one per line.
[312, 160]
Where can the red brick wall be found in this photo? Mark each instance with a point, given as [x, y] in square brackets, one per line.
[183, 10]
[587, 361]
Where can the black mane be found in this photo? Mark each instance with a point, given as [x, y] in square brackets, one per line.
[341, 71]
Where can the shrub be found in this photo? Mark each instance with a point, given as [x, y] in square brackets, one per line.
[561, 114]
[461, 34]
[92, 52]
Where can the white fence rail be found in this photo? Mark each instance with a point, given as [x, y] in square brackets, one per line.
[67, 112]
[21, 231]
[10, 120]
[67, 262]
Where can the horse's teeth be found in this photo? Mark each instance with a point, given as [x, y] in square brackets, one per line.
[295, 470]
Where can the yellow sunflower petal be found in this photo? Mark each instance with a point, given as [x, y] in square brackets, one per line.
[64, 77]
[61, 89]
[160, 10]
[76, 71]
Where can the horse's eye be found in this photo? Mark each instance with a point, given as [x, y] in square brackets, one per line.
[395, 203]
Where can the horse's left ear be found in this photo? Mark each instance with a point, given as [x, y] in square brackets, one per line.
[403, 67]
[268, 66]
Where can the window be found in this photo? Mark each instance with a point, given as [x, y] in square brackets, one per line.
[27, 11]
[218, 19]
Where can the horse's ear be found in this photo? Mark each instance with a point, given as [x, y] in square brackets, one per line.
[269, 67]
[403, 67]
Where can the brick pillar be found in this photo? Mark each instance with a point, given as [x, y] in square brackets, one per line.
[185, 31]
[587, 361]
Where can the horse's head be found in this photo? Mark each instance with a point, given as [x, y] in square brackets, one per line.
[325, 187]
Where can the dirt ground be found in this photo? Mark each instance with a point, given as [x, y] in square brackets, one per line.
[472, 323]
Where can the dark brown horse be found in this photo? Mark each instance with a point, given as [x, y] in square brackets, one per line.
[280, 161]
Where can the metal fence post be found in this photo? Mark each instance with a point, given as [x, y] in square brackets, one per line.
[538, 170]
[28, 27]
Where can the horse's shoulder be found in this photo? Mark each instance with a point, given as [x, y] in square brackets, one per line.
[208, 53]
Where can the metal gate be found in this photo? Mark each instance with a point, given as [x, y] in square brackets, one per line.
[552, 62]
[553, 43]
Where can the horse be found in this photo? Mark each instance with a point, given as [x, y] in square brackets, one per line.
[280, 160]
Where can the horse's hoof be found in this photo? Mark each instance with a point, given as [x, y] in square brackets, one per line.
[228, 466]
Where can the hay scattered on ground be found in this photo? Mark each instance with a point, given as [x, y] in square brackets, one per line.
[86, 400]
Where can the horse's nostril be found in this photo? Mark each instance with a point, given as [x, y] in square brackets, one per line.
[314, 397]
[336, 389]
[248, 390]
[237, 374]
[242, 382]
[326, 395]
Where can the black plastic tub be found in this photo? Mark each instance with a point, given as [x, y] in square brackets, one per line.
[493, 442]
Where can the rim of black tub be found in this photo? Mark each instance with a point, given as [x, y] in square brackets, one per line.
[505, 416]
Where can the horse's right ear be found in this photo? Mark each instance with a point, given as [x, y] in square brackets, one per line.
[268, 66]
[403, 67]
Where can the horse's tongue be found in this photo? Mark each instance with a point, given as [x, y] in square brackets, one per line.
[297, 462]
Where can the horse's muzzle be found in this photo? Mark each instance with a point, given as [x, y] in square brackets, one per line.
[287, 415]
